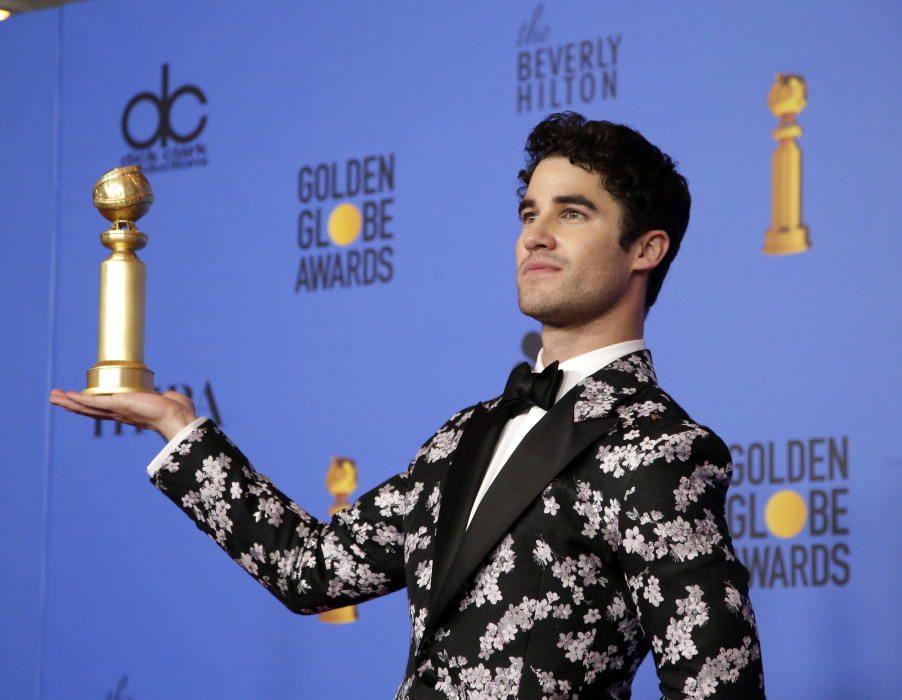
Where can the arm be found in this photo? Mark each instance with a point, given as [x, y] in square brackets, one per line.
[690, 590]
[309, 565]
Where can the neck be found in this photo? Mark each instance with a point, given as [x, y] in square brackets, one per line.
[560, 343]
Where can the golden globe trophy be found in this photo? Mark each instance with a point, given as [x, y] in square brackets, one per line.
[787, 234]
[122, 196]
[341, 480]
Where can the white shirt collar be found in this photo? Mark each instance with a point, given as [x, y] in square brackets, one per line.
[578, 368]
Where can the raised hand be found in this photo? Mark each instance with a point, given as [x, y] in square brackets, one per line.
[165, 413]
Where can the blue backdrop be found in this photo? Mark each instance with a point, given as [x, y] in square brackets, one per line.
[253, 128]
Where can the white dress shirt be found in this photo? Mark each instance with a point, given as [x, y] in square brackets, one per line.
[575, 370]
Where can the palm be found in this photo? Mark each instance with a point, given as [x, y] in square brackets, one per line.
[145, 410]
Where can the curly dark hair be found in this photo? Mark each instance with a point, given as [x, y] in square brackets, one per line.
[638, 175]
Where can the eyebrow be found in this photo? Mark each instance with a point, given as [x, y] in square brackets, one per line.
[560, 199]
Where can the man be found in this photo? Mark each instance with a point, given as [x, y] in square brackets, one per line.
[547, 538]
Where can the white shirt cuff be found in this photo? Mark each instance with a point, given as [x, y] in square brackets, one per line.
[164, 454]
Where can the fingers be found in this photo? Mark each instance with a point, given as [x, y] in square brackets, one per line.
[59, 398]
[62, 400]
[91, 413]
[86, 405]
[96, 401]
[76, 401]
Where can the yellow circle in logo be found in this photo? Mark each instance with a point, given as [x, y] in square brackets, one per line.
[344, 224]
[785, 514]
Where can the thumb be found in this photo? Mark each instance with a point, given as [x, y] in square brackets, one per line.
[181, 399]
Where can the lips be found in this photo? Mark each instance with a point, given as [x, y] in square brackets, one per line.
[537, 266]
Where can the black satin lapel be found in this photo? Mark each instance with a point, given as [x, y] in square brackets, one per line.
[460, 486]
[551, 445]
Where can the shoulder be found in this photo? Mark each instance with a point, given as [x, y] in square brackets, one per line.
[444, 440]
[655, 413]
[657, 439]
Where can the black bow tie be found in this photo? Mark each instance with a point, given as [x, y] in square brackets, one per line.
[526, 388]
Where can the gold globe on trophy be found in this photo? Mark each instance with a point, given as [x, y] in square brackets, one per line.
[122, 196]
[787, 234]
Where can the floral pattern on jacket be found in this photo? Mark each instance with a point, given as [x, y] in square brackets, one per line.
[625, 550]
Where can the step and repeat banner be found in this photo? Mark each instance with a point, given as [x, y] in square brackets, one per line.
[330, 274]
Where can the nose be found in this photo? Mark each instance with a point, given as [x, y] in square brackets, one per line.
[536, 235]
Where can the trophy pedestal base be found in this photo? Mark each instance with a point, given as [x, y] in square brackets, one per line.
[785, 241]
[340, 616]
[119, 378]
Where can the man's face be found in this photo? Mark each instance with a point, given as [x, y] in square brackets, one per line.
[570, 266]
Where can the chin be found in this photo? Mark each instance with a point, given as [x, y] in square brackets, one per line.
[556, 315]
[546, 314]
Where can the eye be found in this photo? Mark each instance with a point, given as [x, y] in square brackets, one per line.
[573, 214]
[527, 217]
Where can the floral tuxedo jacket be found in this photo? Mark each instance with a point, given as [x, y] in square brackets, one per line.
[603, 536]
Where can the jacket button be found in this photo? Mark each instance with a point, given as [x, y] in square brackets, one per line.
[429, 677]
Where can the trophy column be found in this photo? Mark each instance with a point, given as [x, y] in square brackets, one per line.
[341, 480]
[122, 196]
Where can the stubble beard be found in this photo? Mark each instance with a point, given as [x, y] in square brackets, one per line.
[559, 307]
[573, 303]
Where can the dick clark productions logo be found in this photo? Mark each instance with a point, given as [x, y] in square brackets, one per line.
[345, 230]
[163, 127]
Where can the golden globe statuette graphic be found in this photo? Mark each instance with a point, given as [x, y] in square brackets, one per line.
[787, 234]
[341, 480]
[122, 196]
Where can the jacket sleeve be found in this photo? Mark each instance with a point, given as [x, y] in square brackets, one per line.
[690, 590]
[310, 566]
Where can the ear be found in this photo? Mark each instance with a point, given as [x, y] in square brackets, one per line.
[650, 249]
